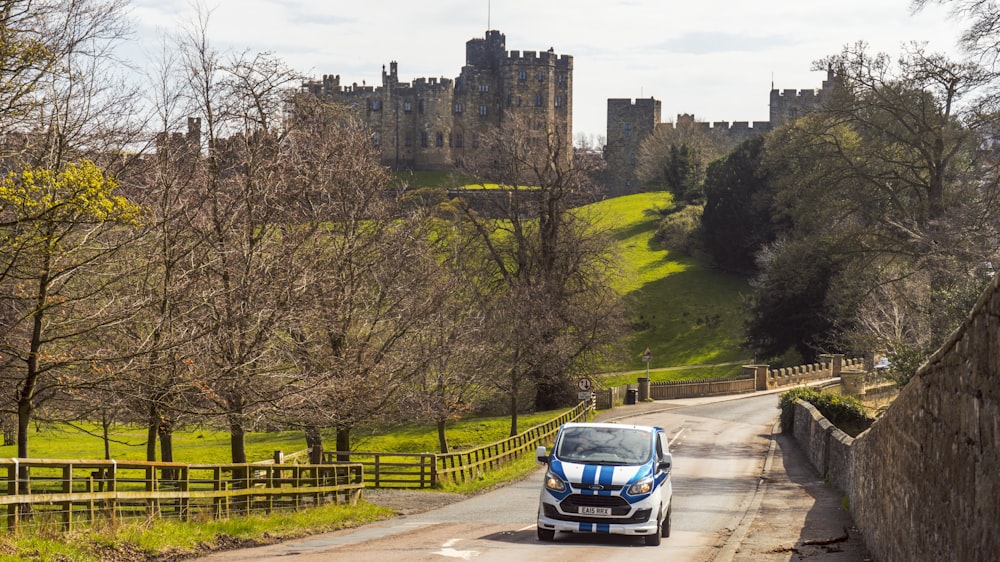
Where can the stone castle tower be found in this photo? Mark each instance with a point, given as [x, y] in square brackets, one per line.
[630, 122]
[435, 124]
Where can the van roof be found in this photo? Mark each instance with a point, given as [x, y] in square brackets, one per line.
[613, 425]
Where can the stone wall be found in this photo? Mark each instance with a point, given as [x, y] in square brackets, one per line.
[828, 448]
[923, 482]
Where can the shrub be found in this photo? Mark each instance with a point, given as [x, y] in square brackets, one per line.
[845, 412]
[679, 230]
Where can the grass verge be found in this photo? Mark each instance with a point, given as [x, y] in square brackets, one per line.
[177, 539]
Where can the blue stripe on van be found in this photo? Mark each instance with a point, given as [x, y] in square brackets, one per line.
[586, 527]
[603, 528]
[589, 477]
[606, 478]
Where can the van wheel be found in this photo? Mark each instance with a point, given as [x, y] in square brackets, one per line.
[546, 535]
[665, 526]
[654, 539]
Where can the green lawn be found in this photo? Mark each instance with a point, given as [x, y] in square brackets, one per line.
[212, 446]
[685, 312]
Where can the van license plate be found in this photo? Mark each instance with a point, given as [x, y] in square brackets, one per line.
[587, 510]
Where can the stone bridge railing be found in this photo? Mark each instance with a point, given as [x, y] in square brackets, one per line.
[829, 366]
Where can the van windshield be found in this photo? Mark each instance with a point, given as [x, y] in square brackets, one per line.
[604, 445]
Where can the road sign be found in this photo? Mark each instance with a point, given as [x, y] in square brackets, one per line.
[585, 395]
[584, 384]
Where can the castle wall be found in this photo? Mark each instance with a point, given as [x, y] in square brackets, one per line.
[630, 123]
[433, 124]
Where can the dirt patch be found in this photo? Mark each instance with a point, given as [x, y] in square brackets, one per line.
[408, 502]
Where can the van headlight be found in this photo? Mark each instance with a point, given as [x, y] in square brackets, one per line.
[554, 483]
[641, 487]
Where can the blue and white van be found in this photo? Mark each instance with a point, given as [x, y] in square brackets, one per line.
[607, 478]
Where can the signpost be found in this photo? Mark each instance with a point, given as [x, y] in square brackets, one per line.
[585, 386]
[643, 392]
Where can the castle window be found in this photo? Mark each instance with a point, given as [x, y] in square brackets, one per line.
[475, 140]
[458, 141]
[558, 101]
[458, 108]
[538, 100]
[483, 110]
[560, 77]
[631, 159]
[484, 87]
[519, 101]
[424, 139]
[408, 139]
[541, 77]
[420, 106]
[407, 106]
[376, 105]
[628, 129]
[522, 75]
[439, 140]
[377, 138]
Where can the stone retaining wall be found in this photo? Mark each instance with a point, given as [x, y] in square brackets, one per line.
[923, 481]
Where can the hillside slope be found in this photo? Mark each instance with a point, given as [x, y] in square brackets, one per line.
[685, 312]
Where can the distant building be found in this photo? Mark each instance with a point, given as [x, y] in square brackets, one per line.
[631, 121]
[435, 124]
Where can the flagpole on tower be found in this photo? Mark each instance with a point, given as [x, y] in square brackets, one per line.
[489, 13]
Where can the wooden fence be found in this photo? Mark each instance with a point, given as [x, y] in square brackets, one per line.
[428, 470]
[66, 492]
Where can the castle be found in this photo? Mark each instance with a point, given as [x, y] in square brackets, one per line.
[436, 124]
[631, 122]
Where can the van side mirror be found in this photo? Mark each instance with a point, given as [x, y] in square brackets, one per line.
[666, 463]
[541, 454]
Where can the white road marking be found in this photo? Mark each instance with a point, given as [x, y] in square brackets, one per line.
[448, 552]
[678, 436]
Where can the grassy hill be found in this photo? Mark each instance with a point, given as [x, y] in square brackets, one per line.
[685, 312]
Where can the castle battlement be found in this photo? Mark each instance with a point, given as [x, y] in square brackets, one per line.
[539, 57]
[801, 94]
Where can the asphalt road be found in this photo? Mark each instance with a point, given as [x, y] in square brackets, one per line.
[719, 451]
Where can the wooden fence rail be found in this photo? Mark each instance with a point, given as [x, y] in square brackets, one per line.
[469, 465]
[66, 492]
[428, 470]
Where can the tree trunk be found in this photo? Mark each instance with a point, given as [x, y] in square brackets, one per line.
[165, 429]
[442, 438]
[314, 442]
[152, 423]
[513, 413]
[237, 439]
[343, 444]
[105, 435]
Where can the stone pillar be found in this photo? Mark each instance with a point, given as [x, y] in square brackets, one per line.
[759, 373]
[836, 364]
[833, 362]
[852, 382]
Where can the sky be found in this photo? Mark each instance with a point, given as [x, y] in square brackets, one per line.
[715, 59]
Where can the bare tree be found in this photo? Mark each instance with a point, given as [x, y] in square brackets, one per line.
[676, 156]
[543, 269]
[372, 290]
[247, 285]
